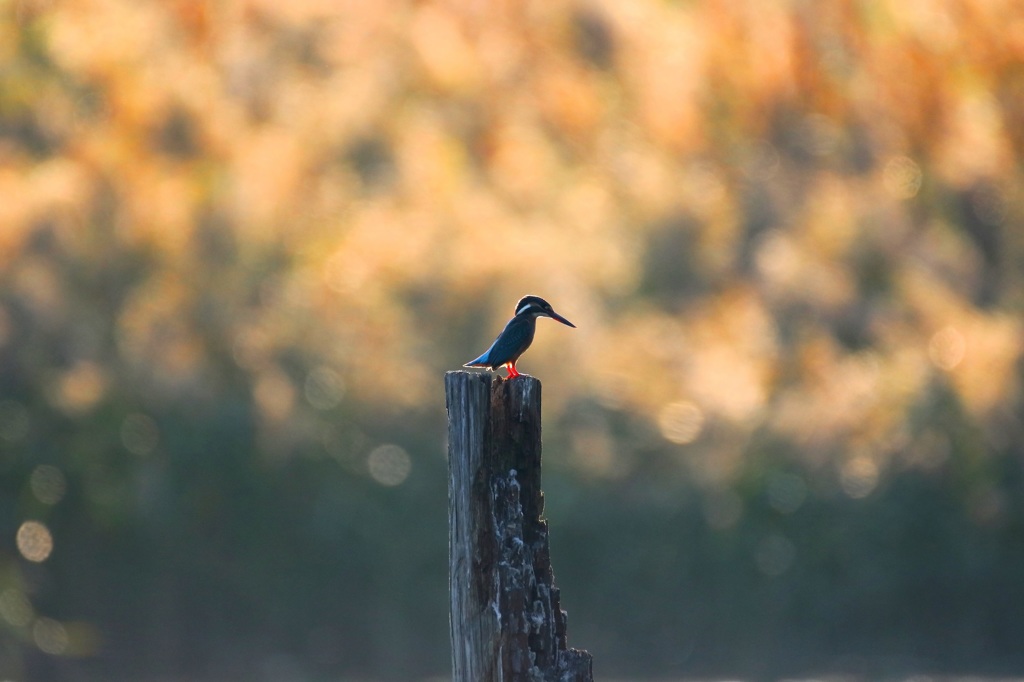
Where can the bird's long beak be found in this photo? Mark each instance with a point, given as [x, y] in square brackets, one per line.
[555, 316]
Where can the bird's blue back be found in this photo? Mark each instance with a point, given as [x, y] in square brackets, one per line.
[510, 344]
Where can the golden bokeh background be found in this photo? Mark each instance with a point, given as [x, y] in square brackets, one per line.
[241, 242]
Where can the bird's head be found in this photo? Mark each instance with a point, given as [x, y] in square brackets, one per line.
[535, 306]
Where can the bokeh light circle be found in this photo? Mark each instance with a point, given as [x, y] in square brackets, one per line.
[35, 541]
[389, 464]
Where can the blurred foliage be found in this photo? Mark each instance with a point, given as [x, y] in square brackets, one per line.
[240, 243]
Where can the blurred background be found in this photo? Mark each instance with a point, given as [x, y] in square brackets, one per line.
[242, 241]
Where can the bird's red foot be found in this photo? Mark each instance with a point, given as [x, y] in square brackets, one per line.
[511, 367]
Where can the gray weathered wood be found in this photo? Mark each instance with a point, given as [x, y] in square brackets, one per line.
[506, 621]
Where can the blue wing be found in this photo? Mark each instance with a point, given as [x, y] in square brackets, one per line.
[510, 344]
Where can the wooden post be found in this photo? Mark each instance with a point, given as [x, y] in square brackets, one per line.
[506, 622]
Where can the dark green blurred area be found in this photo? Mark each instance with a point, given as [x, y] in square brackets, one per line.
[203, 561]
[240, 245]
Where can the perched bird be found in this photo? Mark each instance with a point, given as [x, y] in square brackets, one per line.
[517, 335]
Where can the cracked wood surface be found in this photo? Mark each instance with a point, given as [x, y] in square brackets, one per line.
[506, 621]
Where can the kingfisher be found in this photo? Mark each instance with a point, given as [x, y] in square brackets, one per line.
[517, 335]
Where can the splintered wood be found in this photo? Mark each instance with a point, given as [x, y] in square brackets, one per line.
[506, 622]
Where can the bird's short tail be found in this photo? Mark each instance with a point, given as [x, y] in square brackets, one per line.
[481, 361]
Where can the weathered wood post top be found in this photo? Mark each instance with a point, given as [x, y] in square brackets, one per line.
[506, 621]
